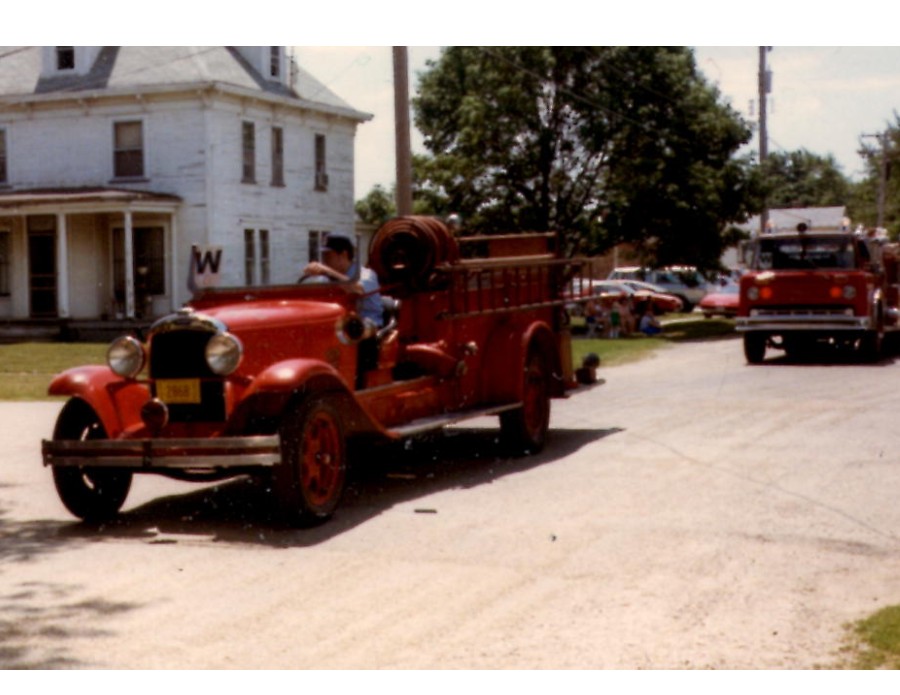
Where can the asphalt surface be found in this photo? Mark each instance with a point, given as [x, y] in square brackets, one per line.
[693, 512]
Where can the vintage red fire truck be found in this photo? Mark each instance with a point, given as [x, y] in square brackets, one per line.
[805, 288]
[264, 381]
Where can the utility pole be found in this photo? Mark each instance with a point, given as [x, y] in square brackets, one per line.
[401, 130]
[765, 86]
[883, 140]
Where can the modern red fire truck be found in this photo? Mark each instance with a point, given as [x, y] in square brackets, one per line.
[264, 381]
[808, 288]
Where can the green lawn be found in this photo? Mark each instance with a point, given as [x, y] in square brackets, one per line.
[677, 328]
[26, 369]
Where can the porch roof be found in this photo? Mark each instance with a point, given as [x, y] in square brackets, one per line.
[85, 199]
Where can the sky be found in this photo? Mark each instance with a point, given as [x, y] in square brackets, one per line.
[823, 99]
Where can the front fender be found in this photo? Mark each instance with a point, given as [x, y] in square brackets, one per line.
[283, 383]
[117, 401]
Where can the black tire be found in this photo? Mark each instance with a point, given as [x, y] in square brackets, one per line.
[871, 345]
[686, 305]
[754, 347]
[91, 494]
[524, 430]
[312, 475]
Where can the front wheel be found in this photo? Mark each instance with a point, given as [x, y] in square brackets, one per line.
[91, 494]
[310, 480]
[754, 347]
[525, 429]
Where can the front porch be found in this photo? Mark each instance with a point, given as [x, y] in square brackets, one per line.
[87, 255]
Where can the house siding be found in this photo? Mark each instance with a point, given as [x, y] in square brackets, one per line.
[193, 150]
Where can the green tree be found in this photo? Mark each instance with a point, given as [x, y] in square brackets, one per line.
[864, 199]
[803, 179]
[604, 144]
[377, 207]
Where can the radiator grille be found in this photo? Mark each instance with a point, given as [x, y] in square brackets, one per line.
[180, 355]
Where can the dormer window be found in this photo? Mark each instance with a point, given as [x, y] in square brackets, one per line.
[275, 61]
[65, 57]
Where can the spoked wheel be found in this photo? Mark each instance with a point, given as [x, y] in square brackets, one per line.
[92, 494]
[525, 429]
[310, 480]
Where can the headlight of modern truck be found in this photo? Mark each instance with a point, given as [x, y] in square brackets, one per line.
[125, 356]
[223, 353]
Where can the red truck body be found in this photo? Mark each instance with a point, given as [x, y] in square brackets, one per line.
[265, 381]
[807, 288]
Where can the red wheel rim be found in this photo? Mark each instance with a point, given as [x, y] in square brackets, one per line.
[321, 468]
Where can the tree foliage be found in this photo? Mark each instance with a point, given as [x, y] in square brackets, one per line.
[801, 179]
[604, 144]
[864, 199]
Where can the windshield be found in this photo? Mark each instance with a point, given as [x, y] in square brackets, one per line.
[805, 252]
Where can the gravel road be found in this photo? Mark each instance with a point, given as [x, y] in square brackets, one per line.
[693, 512]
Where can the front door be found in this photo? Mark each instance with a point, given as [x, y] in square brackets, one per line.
[42, 266]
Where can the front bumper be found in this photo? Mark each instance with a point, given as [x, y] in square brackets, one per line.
[802, 321]
[180, 454]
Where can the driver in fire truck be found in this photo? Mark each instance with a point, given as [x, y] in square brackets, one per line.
[338, 265]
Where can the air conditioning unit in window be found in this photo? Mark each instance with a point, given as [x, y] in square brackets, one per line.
[321, 180]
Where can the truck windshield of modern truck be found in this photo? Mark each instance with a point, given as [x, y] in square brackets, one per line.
[806, 252]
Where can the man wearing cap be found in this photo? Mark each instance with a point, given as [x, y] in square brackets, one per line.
[338, 266]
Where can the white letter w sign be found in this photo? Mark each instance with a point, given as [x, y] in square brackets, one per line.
[204, 270]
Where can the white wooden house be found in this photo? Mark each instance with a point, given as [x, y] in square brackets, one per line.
[116, 160]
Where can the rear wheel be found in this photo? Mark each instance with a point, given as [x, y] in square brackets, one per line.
[754, 347]
[525, 429]
[310, 480]
[92, 494]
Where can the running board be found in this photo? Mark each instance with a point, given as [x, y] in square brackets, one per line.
[434, 422]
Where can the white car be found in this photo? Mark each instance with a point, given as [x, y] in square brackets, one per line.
[684, 282]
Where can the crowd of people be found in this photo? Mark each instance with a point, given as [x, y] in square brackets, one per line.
[614, 317]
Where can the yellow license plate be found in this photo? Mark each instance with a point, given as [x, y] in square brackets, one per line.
[178, 390]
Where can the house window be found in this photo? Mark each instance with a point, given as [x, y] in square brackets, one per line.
[277, 157]
[65, 57]
[315, 245]
[248, 144]
[321, 173]
[128, 149]
[4, 263]
[2, 156]
[275, 61]
[256, 256]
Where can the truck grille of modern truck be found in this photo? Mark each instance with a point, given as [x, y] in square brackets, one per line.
[177, 358]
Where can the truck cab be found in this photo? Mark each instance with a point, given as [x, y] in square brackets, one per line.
[804, 288]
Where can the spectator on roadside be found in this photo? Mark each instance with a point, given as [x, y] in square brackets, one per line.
[650, 325]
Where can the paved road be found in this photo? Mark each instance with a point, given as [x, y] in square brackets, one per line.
[694, 512]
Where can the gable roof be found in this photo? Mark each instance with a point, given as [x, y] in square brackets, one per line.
[157, 68]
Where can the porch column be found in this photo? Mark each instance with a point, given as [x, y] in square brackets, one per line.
[129, 267]
[174, 274]
[62, 266]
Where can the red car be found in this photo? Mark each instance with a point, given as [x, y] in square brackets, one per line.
[663, 302]
[721, 302]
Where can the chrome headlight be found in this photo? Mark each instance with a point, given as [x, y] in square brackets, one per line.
[125, 356]
[753, 294]
[849, 292]
[223, 353]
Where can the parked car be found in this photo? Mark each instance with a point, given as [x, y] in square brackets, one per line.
[663, 302]
[722, 301]
[582, 288]
[684, 282]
